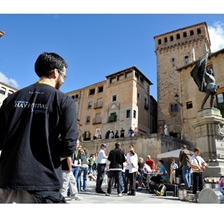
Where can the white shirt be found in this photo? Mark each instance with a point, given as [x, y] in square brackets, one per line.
[134, 161]
[100, 159]
[173, 167]
[196, 160]
[128, 159]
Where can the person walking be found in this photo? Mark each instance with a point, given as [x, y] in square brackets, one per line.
[38, 130]
[198, 165]
[101, 164]
[69, 181]
[184, 158]
[116, 159]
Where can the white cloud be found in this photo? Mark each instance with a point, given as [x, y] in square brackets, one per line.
[216, 33]
[9, 81]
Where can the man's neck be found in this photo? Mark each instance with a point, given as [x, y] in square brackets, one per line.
[47, 81]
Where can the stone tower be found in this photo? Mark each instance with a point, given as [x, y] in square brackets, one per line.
[173, 50]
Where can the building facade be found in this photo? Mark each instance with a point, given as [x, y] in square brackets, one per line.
[121, 101]
[5, 91]
[174, 50]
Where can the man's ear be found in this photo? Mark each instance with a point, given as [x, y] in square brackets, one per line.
[54, 74]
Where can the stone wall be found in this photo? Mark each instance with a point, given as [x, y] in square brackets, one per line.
[145, 145]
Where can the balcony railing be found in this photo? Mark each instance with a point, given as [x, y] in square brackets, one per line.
[97, 120]
[98, 105]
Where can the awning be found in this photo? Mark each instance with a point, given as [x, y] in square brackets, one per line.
[170, 154]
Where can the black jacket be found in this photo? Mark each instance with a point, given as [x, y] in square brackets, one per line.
[116, 158]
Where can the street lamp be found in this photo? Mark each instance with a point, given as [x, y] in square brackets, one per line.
[1, 33]
[177, 98]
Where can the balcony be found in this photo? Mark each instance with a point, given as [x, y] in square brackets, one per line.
[97, 120]
[98, 105]
[112, 118]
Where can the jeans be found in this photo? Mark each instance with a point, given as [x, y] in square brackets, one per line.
[75, 171]
[123, 181]
[139, 177]
[100, 176]
[84, 184]
[186, 174]
[115, 175]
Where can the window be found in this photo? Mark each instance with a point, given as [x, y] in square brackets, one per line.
[178, 36]
[159, 41]
[141, 80]
[184, 34]
[90, 105]
[10, 92]
[87, 119]
[128, 114]
[138, 96]
[91, 91]
[191, 32]
[220, 98]
[2, 90]
[165, 39]
[189, 105]
[100, 89]
[174, 108]
[134, 113]
[186, 60]
[114, 98]
[171, 38]
[173, 62]
[198, 31]
[75, 97]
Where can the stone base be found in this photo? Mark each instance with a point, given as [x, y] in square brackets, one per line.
[215, 169]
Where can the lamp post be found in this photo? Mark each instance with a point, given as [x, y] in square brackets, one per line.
[1, 33]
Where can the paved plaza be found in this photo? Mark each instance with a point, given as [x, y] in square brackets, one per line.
[142, 197]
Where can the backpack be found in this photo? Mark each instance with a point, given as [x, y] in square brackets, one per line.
[161, 190]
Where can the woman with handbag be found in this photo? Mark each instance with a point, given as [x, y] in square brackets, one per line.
[83, 170]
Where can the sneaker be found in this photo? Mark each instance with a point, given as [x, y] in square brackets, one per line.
[76, 198]
[195, 200]
[107, 194]
[120, 195]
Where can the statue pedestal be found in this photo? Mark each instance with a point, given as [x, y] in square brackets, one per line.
[209, 140]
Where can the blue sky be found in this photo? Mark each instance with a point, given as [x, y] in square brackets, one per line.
[94, 45]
